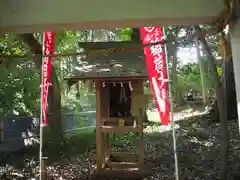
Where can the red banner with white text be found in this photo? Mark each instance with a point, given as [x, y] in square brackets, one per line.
[155, 60]
[48, 50]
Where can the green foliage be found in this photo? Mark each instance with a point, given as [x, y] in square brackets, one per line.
[125, 34]
[219, 70]
[19, 87]
[19, 79]
[188, 77]
[79, 119]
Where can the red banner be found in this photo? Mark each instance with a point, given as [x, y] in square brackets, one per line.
[48, 50]
[155, 60]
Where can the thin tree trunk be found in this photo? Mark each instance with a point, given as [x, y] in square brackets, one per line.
[177, 97]
[223, 171]
[172, 53]
[174, 66]
[202, 73]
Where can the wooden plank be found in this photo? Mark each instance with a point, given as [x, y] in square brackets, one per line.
[122, 129]
[130, 173]
[98, 126]
[123, 154]
[113, 79]
[122, 165]
[95, 57]
[35, 16]
[114, 121]
[128, 118]
[44, 169]
[108, 145]
[124, 157]
[111, 46]
[105, 112]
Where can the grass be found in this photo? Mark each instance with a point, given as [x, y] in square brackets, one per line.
[84, 140]
[79, 131]
[80, 141]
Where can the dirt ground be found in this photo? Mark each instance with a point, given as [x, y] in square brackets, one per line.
[198, 147]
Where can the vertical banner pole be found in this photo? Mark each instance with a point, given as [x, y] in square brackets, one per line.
[156, 58]
[172, 111]
[41, 120]
[47, 51]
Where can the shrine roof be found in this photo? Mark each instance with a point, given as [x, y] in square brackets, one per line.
[124, 64]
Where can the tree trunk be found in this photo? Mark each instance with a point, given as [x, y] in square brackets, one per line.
[223, 172]
[230, 90]
[230, 93]
[54, 109]
[54, 98]
[202, 73]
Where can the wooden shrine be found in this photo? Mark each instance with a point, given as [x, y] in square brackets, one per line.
[119, 110]
[120, 106]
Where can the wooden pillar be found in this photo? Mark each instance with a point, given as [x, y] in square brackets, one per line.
[102, 110]
[108, 145]
[235, 44]
[98, 125]
[105, 93]
[44, 167]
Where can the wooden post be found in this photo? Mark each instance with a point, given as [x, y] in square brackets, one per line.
[98, 125]
[103, 148]
[107, 114]
[43, 168]
[108, 145]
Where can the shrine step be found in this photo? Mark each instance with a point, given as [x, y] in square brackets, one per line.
[124, 157]
[122, 165]
[128, 173]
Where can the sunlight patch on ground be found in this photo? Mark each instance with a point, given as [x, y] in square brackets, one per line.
[153, 115]
[160, 128]
[205, 143]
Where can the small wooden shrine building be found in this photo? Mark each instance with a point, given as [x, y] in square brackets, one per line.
[120, 105]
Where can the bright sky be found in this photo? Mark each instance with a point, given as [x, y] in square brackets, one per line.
[186, 55]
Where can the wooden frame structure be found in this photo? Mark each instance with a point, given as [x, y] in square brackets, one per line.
[118, 164]
[107, 160]
[107, 72]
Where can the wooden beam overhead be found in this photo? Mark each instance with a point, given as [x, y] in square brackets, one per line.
[21, 16]
[111, 44]
[112, 79]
